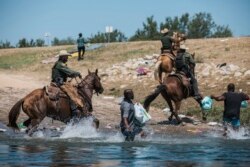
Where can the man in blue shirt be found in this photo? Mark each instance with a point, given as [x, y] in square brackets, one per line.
[80, 47]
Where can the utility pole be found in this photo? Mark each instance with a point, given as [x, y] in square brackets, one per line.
[109, 29]
[47, 36]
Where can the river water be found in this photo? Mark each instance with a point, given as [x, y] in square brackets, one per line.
[81, 145]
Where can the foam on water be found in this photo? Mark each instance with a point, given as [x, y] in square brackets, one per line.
[241, 134]
[82, 129]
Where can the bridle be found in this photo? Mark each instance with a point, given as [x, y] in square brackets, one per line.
[86, 85]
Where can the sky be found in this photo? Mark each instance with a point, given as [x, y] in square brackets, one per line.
[67, 18]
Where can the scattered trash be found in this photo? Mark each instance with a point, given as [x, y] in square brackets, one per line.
[212, 123]
[108, 97]
[194, 131]
[142, 71]
[108, 126]
[3, 130]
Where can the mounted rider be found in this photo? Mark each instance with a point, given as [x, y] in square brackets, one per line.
[60, 73]
[167, 41]
[185, 63]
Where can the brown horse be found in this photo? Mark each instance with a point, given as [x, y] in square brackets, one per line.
[37, 105]
[174, 88]
[165, 62]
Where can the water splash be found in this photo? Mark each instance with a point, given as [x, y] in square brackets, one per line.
[82, 129]
[241, 134]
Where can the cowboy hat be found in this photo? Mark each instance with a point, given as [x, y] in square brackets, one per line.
[183, 47]
[63, 53]
[165, 30]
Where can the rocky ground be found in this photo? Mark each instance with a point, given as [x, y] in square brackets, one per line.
[106, 109]
[219, 61]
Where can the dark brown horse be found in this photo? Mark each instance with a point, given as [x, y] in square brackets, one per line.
[37, 105]
[165, 62]
[174, 88]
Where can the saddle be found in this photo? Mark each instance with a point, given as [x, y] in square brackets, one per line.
[168, 53]
[187, 87]
[54, 92]
[65, 91]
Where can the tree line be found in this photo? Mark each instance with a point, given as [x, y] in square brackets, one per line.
[201, 25]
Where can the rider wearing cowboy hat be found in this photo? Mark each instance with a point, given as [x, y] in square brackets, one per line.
[167, 41]
[60, 73]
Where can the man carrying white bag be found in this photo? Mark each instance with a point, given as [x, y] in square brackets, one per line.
[141, 114]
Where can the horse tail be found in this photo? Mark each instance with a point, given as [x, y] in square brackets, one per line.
[157, 68]
[152, 96]
[14, 113]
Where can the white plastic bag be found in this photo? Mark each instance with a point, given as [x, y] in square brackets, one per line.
[141, 114]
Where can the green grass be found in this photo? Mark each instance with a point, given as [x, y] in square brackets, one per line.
[216, 114]
[17, 62]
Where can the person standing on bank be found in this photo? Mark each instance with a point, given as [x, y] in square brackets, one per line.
[80, 47]
[232, 103]
[130, 127]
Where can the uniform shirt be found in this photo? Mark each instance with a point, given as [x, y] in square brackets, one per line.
[80, 42]
[184, 60]
[166, 42]
[127, 111]
[60, 70]
[189, 59]
[232, 104]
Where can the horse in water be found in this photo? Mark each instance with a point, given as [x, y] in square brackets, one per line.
[165, 62]
[175, 88]
[37, 105]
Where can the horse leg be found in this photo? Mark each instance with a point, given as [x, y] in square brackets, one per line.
[160, 74]
[27, 122]
[33, 126]
[177, 108]
[96, 122]
[165, 96]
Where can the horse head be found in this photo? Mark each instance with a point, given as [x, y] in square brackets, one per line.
[93, 81]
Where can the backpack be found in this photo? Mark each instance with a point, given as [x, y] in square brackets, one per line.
[180, 60]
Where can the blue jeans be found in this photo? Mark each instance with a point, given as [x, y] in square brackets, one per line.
[130, 135]
[235, 122]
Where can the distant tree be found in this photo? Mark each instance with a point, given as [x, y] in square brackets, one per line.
[149, 31]
[40, 42]
[55, 42]
[201, 26]
[222, 31]
[115, 36]
[32, 43]
[23, 43]
[5, 44]
[98, 38]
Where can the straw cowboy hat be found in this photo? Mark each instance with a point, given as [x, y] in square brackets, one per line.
[183, 47]
[63, 53]
[165, 30]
